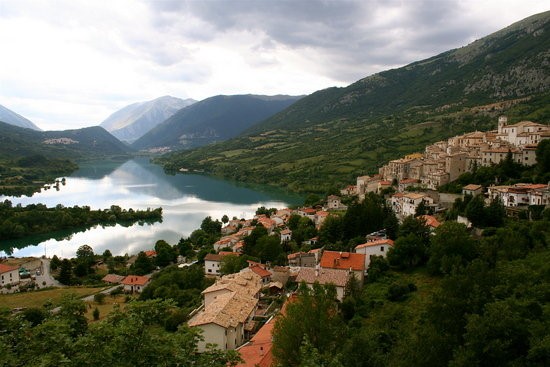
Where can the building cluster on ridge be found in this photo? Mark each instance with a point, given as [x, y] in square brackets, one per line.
[445, 161]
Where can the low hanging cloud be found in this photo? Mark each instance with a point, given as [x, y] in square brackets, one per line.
[106, 55]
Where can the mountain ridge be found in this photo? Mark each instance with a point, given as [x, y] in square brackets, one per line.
[336, 134]
[133, 121]
[13, 118]
[213, 119]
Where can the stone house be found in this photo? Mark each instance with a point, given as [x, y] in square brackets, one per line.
[338, 277]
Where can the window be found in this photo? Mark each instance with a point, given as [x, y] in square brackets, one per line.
[381, 248]
[209, 270]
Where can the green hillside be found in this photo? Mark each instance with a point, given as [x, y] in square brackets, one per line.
[333, 135]
[30, 158]
[216, 118]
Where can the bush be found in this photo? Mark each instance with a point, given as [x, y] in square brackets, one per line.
[398, 292]
[96, 314]
[99, 298]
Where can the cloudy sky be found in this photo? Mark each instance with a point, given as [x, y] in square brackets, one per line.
[71, 63]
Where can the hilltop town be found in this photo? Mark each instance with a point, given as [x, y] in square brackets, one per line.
[251, 266]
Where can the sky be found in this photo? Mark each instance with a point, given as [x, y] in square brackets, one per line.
[71, 63]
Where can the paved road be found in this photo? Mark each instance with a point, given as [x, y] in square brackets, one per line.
[45, 279]
[105, 291]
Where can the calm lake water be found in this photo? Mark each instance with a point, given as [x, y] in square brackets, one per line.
[185, 199]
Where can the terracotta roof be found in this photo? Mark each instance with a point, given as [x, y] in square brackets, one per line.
[472, 187]
[414, 195]
[248, 283]
[135, 280]
[150, 253]
[430, 221]
[113, 278]
[213, 257]
[375, 243]
[322, 214]
[5, 268]
[309, 210]
[342, 260]
[257, 353]
[338, 277]
[286, 231]
[313, 251]
[260, 271]
[228, 310]
[384, 183]
[225, 253]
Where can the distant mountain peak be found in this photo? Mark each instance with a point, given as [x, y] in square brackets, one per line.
[133, 121]
[13, 118]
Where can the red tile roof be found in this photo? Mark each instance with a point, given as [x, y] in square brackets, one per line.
[5, 268]
[135, 280]
[258, 269]
[213, 257]
[150, 253]
[257, 353]
[342, 260]
[112, 278]
[225, 253]
[430, 221]
[375, 243]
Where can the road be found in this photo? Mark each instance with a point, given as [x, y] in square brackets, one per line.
[45, 278]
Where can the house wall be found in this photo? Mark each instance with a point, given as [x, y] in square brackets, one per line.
[211, 267]
[10, 277]
[379, 250]
[212, 334]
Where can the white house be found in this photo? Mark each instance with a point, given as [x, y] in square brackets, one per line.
[377, 247]
[8, 275]
[228, 306]
[135, 283]
[286, 235]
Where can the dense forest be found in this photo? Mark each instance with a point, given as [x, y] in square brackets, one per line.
[18, 221]
[441, 299]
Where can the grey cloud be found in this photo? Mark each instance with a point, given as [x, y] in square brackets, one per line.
[348, 33]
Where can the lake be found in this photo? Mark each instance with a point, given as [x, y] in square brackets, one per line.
[186, 199]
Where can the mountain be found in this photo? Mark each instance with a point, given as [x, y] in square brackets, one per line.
[213, 119]
[329, 137]
[12, 118]
[132, 121]
[89, 142]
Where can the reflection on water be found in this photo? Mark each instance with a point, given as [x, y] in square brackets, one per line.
[138, 184]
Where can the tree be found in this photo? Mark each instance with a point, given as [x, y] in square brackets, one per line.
[211, 227]
[543, 159]
[451, 248]
[232, 264]
[65, 273]
[495, 213]
[475, 211]
[85, 258]
[269, 248]
[312, 316]
[106, 255]
[408, 252]
[225, 219]
[143, 265]
[165, 253]
[55, 263]
[331, 230]
[251, 240]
